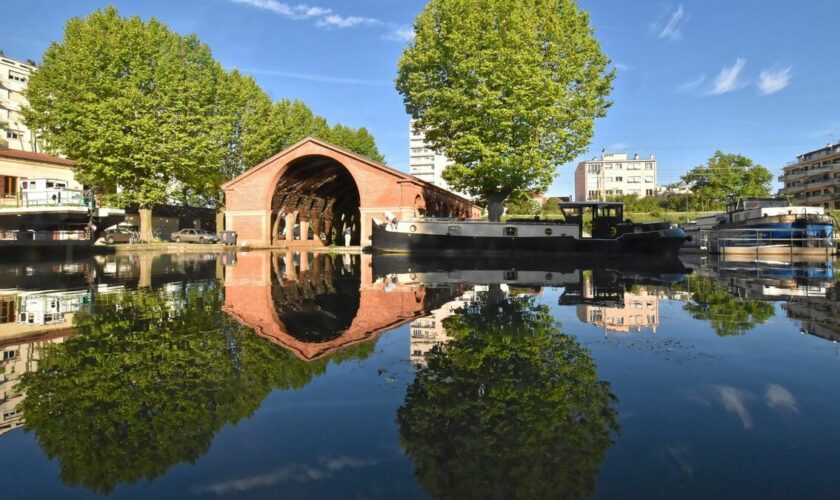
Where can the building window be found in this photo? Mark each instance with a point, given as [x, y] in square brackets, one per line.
[7, 355]
[648, 178]
[593, 169]
[608, 166]
[510, 231]
[634, 166]
[618, 166]
[12, 134]
[18, 77]
[593, 194]
[619, 179]
[608, 179]
[8, 185]
[648, 166]
[634, 179]
[619, 192]
[648, 192]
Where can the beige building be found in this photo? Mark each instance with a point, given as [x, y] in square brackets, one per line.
[21, 152]
[14, 76]
[614, 174]
[813, 179]
[424, 163]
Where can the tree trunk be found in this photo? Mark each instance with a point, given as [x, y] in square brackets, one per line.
[220, 220]
[146, 224]
[495, 207]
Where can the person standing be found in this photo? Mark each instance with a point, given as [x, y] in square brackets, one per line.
[347, 235]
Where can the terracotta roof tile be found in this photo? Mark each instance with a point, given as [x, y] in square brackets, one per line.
[36, 157]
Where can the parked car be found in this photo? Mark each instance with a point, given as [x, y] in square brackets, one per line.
[194, 236]
[120, 234]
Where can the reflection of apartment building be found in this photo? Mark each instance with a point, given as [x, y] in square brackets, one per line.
[16, 360]
[639, 311]
[813, 179]
[820, 316]
[21, 151]
[614, 174]
[424, 163]
[14, 76]
[428, 331]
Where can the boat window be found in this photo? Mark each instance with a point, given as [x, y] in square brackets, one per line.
[454, 230]
[548, 231]
[510, 231]
[511, 275]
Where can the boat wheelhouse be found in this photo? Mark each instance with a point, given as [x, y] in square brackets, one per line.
[594, 227]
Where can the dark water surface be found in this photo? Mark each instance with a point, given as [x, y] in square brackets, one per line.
[286, 375]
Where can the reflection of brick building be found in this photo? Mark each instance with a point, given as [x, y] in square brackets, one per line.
[640, 310]
[313, 305]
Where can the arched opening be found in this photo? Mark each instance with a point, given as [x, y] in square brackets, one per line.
[315, 200]
[316, 296]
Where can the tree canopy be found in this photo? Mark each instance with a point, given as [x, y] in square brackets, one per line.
[507, 89]
[147, 380]
[510, 408]
[146, 110]
[728, 314]
[726, 176]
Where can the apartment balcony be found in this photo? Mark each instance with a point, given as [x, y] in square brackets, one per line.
[808, 158]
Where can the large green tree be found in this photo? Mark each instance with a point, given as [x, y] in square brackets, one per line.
[147, 380]
[507, 89]
[510, 408]
[725, 177]
[137, 106]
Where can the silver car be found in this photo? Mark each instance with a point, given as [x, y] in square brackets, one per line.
[194, 236]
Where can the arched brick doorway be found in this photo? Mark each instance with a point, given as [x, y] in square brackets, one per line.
[314, 200]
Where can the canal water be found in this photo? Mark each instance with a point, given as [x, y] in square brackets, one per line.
[289, 375]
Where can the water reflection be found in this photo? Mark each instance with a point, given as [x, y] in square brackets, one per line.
[122, 366]
[508, 406]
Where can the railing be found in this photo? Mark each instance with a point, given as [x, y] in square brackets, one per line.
[719, 240]
[51, 198]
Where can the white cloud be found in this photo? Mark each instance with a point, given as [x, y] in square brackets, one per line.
[400, 33]
[727, 80]
[781, 399]
[734, 400]
[293, 473]
[336, 21]
[692, 84]
[772, 81]
[299, 11]
[314, 77]
[326, 18]
[672, 29]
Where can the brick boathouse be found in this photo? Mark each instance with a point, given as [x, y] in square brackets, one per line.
[308, 194]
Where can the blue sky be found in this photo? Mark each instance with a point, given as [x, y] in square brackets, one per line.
[754, 77]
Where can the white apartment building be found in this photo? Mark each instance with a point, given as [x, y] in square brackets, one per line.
[14, 76]
[614, 174]
[424, 163]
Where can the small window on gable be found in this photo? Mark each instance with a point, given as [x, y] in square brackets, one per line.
[510, 231]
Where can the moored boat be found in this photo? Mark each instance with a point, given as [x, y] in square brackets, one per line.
[764, 222]
[609, 233]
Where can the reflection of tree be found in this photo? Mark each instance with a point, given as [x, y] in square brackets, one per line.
[727, 313]
[147, 380]
[511, 408]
